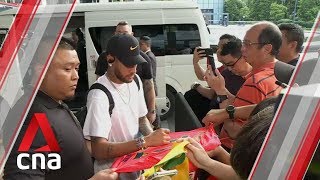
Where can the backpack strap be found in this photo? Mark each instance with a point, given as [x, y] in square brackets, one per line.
[105, 90]
[137, 81]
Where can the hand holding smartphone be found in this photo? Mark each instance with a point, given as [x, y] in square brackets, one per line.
[210, 59]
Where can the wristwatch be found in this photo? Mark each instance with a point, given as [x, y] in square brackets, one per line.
[152, 111]
[221, 98]
[230, 110]
[195, 85]
[140, 142]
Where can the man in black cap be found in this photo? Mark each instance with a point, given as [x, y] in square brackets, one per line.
[117, 134]
[144, 70]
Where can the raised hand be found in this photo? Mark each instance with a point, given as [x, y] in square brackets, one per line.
[215, 82]
[198, 55]
[196, 154]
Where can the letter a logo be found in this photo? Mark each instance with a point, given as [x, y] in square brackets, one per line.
[39, 120]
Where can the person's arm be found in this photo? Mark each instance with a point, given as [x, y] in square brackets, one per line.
[217, 83]
[150, 96]
[106, 174]
[103, 149]
[220, 154]
[197, 56]
[145, 126]
[198, 156]
[220, 170]
[148, 87]
[232, 128]
[218, 116]
[206, 92]
[243, 112]
[228, 101]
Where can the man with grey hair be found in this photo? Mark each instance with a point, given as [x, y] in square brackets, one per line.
[260, 46]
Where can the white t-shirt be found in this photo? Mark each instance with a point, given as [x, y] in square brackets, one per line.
[123, 125]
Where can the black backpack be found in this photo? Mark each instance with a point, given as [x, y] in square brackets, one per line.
[82, 113]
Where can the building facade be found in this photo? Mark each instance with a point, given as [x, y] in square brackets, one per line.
[212, 10]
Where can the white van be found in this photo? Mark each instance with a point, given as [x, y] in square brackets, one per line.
[175, 27]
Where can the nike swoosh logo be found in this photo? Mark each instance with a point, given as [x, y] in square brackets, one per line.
[133, 48]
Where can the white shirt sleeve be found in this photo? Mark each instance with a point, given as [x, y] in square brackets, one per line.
[98, 122]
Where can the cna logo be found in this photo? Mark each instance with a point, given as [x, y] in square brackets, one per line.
[39, 121]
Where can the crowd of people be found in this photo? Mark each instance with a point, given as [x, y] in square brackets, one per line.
[239, 101]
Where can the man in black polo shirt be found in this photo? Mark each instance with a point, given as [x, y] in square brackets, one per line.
[145, 46]
[292, 41]
[58, 84]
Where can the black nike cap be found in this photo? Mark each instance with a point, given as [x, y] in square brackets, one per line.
[126, 48]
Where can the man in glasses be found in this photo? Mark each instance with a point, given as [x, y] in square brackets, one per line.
[231, 57]
[201, 99]
[260, 46]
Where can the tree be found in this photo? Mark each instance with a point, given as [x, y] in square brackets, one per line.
[259, 9]
[308, 10]
[233, 7]
[277, 11]
[245, 12]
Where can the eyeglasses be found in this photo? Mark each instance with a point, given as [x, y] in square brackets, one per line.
[233, 64]
[249, 44]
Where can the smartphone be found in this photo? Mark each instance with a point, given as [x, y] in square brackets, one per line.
[207, 51]
[210, 60]
[162, 174]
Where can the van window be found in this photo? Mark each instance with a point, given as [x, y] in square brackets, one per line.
[76, 21]
[156, 33]
[169, 39]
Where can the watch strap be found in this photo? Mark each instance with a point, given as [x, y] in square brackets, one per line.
[221, 98]
[230, 110]
[195, 85]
